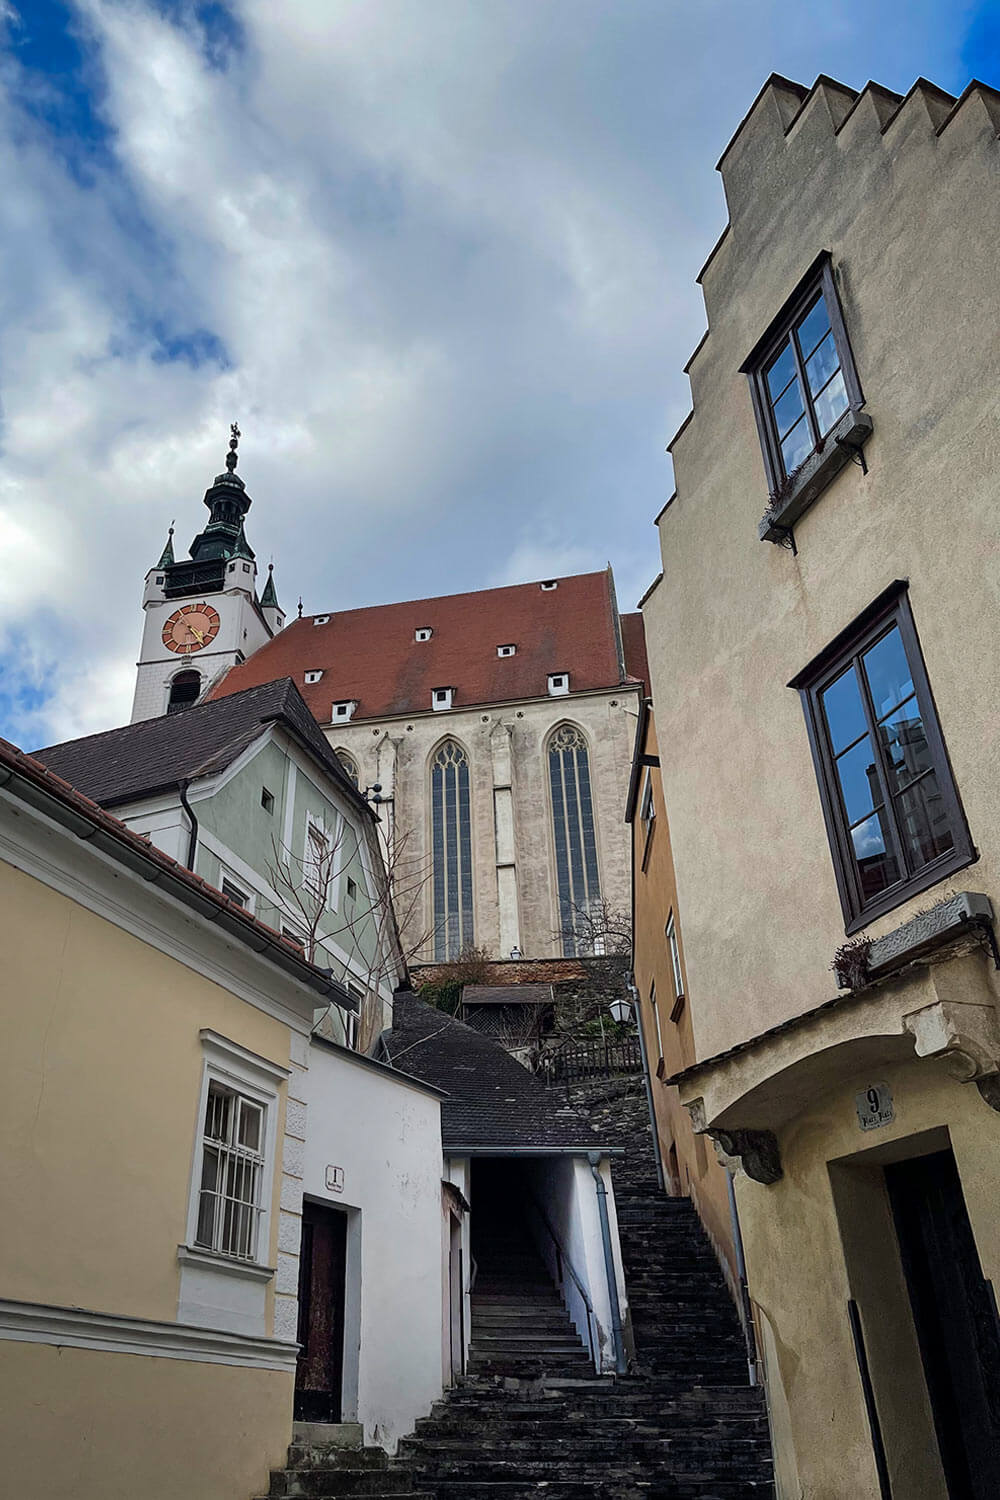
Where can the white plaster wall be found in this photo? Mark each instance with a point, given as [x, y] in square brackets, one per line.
[522, 824]
[386, 1135]
[565, 1190]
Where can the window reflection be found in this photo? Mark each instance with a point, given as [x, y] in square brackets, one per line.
[803, 417]
[888, 673]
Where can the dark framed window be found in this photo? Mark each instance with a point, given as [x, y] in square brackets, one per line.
[892, 811]
[802, 376]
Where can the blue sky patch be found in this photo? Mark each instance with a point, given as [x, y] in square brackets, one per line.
[60, 80]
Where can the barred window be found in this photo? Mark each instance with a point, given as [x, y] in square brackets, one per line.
[577, 876]
[232, 1169]
[452, 851]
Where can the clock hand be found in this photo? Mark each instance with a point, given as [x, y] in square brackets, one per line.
[197, 634]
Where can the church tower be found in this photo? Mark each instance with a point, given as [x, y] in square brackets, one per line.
[202, 614]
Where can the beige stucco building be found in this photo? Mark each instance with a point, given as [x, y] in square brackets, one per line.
[826, 685]
[155, 1048]
[498, 727]
[689, 1165]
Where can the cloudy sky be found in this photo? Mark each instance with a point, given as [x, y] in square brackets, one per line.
[437, 257]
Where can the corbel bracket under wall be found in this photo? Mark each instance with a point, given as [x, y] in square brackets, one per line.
[967, 1037]
[756, 1151]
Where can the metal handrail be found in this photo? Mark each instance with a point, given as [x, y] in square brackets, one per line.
[562, 1259]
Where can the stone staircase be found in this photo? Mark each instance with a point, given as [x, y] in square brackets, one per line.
[520, 1327]
[533, 1419]
[323, 1469]
[682, 1425]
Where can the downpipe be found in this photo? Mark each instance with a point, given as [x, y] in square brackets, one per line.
[182, 787]
[621, 1364]
[741, 1267]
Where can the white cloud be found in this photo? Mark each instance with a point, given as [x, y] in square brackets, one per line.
[447, 253]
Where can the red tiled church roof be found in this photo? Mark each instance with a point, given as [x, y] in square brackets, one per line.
[634, 647]
[371, 655]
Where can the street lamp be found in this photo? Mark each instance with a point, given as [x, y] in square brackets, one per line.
[621, 1009]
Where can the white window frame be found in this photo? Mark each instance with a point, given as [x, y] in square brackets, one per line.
[309, 865]
[670, 933]
[648, 804]
[445, 702]
[656, 1019]
[343, 710]
[314, 674]
[508, 650]
[237, 1069]
[321, 619]
[249, 902]
[550, 583]
[423, 633]
[558, 684]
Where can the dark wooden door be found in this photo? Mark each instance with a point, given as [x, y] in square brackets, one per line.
[322, 1267]
[955, 1318]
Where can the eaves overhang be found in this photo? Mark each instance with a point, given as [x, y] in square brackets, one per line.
[455, 1148]
[33, 784]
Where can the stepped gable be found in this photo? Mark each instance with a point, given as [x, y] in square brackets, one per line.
[371, 657]
[152, 755]
[785, 113]
[493, 1102]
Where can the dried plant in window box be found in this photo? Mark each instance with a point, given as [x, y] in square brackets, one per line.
[851, 964]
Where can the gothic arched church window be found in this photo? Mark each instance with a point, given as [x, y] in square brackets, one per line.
[184, 690]
[451, 848]
[577, 877]
[349, 764]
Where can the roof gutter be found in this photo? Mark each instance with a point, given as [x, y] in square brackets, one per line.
[451, 1149]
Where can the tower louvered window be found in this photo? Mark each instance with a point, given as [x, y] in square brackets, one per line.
[452, 851]
[577, 875]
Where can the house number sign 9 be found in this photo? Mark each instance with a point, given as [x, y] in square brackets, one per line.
[874, 1106]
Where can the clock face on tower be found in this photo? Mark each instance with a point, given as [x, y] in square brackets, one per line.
[191, 628]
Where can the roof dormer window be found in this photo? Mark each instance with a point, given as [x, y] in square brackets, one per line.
[321, 619]
[424, 633]
[550, 583]
[441, 698]
[506, 650]
[558, 684]
[314, 675]
[344, 710]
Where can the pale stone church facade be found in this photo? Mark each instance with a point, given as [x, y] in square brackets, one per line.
[497, 727]
[492, 730]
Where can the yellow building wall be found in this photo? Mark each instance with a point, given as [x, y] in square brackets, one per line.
[699, 1173]
[101, 1068]
[78, 1424]
[806, 1260]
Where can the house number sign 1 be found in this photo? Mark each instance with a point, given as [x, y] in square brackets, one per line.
[875, 1106]
[335, 1179]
